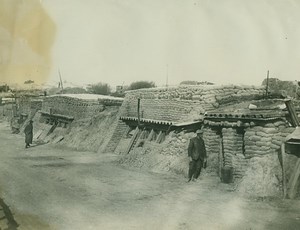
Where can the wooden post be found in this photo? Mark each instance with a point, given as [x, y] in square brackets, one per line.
[292, 112]
[133, 139]
[151, 135]
[267, 87]
[294, 180]
[138, 112]
[283, 170]
[221, 159]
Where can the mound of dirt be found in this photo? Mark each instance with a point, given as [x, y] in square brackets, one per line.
[169, 156]
[89, 134]
[263, 177]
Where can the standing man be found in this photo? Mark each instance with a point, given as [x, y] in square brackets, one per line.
[28, 134]
[197, 155]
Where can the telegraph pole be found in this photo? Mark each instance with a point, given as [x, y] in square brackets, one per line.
[167, 77]
[267, 87]
[61, 84]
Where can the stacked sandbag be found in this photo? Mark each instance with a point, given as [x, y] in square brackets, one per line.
[267, 139]
[283, 133]
[230, 94]
[240, 165]
[176, 143]
[233, 152]
[70, 106]
[258, 141]
[232, 145]
[212, 143]
[118, 130]
[183, 102]
[162, 109]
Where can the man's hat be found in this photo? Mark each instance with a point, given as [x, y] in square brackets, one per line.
[199, 131]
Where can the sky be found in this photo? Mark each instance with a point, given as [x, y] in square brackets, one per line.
[169, 41]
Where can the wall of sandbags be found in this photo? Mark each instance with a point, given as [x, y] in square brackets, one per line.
[119, 130]
[111, 102]
[36, 104]
[266, 139]
[8, 110]
[233, 150]
[184, 102]
[29, 105]
[24, 105]
[176, 144]
[169, 155]
[77, 108]
[162, 109]
[212, 142]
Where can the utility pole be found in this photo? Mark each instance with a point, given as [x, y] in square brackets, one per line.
[167, 76]
[138, 112]
[267, 87]
[61, 84]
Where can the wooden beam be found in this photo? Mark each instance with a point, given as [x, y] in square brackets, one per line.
[151, 135]
[294, 181]
[283, 156]
[133, 140]
[290, 107]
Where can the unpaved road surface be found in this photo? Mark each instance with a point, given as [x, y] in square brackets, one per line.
[47, 187]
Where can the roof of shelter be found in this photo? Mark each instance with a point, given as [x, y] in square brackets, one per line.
[294, 137]
[255, 109]
[146, 120]
[88, 96]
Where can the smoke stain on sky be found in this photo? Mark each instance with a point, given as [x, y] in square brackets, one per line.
[26, 37]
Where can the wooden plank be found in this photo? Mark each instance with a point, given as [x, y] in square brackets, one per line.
[221, 160]
[58, 139]
[294, 180]
[291, 109]
[158, 139]
[132, 141]
[151, 135]
[283, 156]
[38, 134]
[143, 134]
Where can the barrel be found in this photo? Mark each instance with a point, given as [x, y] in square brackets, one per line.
[227, 175]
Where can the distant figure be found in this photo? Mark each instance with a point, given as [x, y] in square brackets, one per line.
[28, 134]
[197, 155]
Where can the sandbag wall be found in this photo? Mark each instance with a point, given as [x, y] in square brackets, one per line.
[164, 109]
[184, 103]
[7, 110]
[118, 131]
[233, 151]
[171, 154]
[69, 106]
[212, 142]
[177, 143]
[29, 105]
[265, 139]
[263, 176]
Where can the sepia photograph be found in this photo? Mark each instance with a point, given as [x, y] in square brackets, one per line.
[149, 115]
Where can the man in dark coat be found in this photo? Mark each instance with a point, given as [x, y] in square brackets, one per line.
[197, 155]
[28, 134]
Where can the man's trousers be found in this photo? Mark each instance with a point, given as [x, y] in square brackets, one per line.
[195, 168]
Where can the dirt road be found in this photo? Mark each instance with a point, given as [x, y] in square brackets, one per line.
[47, 187]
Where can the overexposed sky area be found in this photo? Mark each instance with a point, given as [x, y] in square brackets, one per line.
[221, 41]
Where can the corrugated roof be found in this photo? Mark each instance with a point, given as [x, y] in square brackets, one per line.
[146, 120]
[294, 137]
[88, 96]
